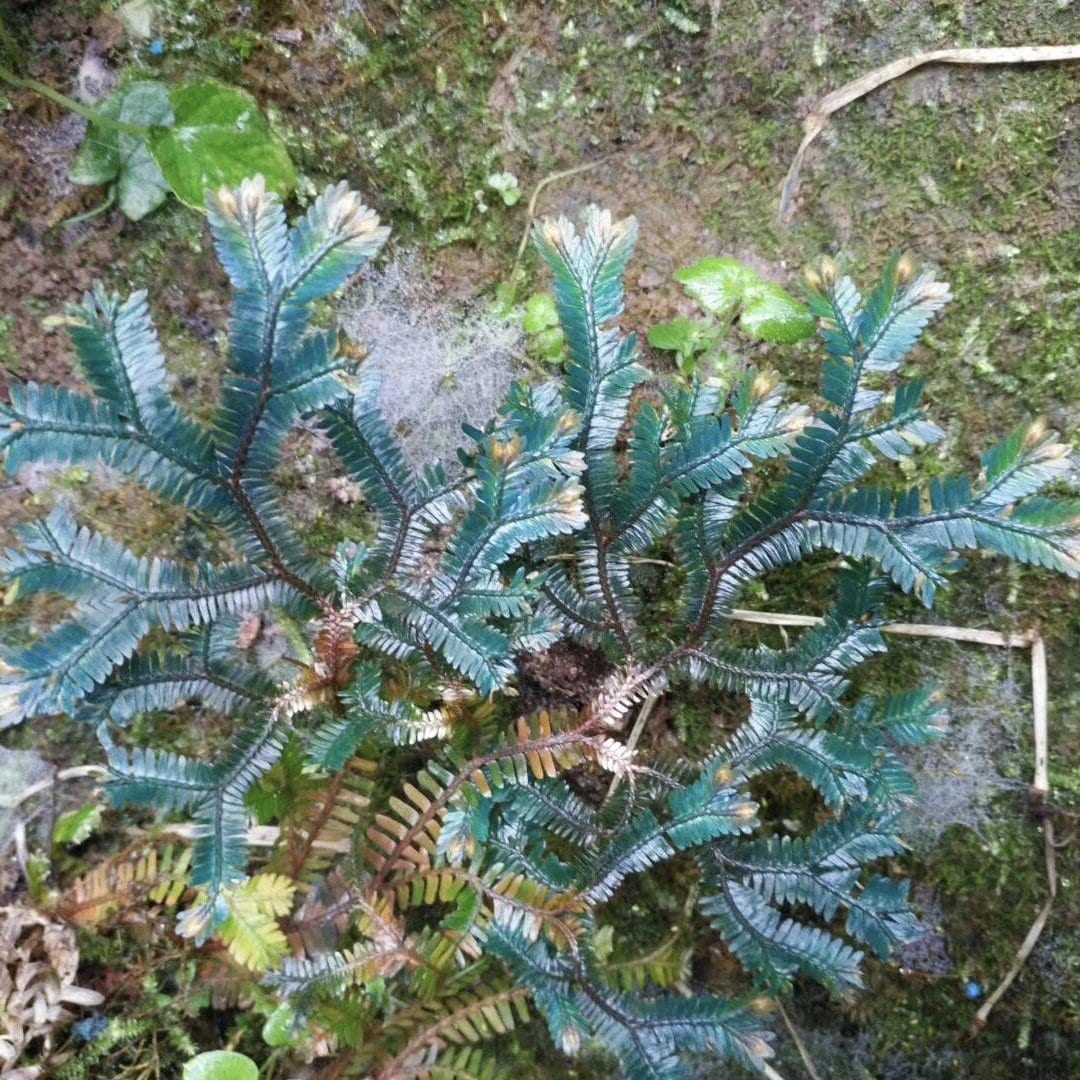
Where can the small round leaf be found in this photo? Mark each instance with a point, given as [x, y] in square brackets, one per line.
[221, 1065]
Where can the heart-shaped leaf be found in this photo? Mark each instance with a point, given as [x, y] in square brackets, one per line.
[725, 287]
[218, 137]
[680, 334]
[221, 1065]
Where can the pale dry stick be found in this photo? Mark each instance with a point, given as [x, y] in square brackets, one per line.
[1033, 935]
[76, 772]
[1039, 703]
[796, 1038]
[258, 836]
[551, 178]
[931, 630]
[815, 123]
[1040, 787]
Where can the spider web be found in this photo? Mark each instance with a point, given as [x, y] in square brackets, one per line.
[437, 366]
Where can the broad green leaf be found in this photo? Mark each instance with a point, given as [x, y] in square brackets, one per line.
[221, 1065]
[219, 137]
[718, 285]
[97, 161]
[506, 184]
[541, 323]
[549, 343]
[141, 187]
[770, 314]
[766, 312]
[281, 1027]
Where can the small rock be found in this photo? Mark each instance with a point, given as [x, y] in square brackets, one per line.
[137, 17]
[930, 188]
[345, 490]
[94, 79]
[287, 35]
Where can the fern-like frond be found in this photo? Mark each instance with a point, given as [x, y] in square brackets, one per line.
[61, 426]
[664, 967]
[648, 1036]
[875, 335]
[906, 429]
[823, 870]
[150, 683]
[121, 598]
[331, 974]
[838, 767]
[461, 1063]
[325, 820]
[580, 509]
[368, 713]
[278, 272]
[250, 931]
[699, 813]
[587, 269]
[372, 455]
[455, 1021]
[810, 676]
[215, 793]
[772, 947]
[154, 870]
[474, 648]
[553, 806]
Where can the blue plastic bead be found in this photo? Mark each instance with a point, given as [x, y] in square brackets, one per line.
[89, 1028]
[156, 47]
[972, 990]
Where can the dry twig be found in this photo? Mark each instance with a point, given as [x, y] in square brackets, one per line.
[635, 734]
[551, 178]
[796, 1038]
[1040, 787]
[815, 123]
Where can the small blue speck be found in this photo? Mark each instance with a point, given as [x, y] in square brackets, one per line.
[972, 990]
[156, 47]
[89, 1029]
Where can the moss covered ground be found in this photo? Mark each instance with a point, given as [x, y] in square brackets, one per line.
[686, 114]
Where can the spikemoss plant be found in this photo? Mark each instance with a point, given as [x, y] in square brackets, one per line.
[472, 895]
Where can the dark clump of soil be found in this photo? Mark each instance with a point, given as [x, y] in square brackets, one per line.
[565, 675]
